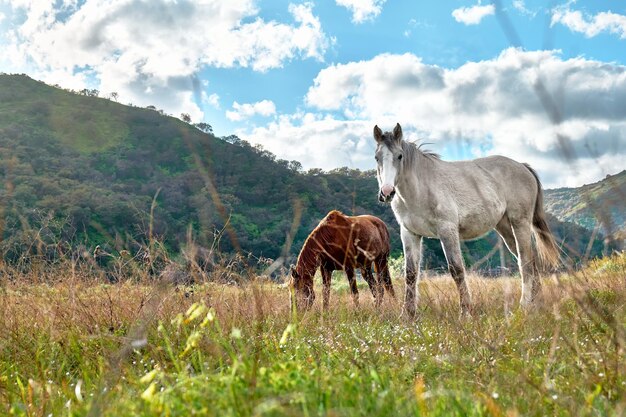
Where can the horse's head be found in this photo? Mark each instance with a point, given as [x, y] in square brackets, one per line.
[389, 161]
[302, 284]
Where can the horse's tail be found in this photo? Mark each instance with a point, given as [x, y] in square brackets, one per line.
[547, 249]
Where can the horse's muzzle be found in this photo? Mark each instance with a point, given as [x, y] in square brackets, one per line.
[386, 198]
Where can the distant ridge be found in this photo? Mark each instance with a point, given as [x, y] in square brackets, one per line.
[597, 204]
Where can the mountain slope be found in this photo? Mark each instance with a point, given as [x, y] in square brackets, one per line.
[86, 169]
[82, 171]
[602, 203]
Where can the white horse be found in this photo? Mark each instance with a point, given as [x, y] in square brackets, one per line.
[462, 200]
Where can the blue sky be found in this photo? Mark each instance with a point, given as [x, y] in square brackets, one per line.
[308, 80]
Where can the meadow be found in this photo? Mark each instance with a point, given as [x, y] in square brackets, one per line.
[73, 346]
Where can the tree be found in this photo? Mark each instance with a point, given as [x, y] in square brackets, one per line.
[205, 127]
[314, 172]
[234, 139]
[295, 166]
[114, 95]
[185, 117]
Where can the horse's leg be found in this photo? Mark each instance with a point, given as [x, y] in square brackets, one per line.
[326, 276]
[384, 278]
[366, 271]
[352, 281]
[412, 246]
[531, 286]
[505, 231]
[369, 279]
[450, 241]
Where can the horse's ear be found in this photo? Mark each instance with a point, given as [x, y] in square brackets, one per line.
[378, 134]
[293, 272]
[397, 132]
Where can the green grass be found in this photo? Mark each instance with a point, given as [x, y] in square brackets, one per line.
[71, 346]
[90, 129]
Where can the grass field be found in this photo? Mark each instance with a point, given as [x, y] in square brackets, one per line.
[72, 346]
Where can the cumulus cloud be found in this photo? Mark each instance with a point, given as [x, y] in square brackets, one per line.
[247, 110]
[590, 25]
[520, 6]
[317, 141]
[148, 52]
[490, 107]
[474, 14]
[362, 10]
[213, 100]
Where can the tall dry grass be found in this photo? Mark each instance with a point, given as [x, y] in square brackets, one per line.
[61, 328]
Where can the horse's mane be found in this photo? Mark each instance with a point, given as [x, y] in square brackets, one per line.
[426, 152]
[414, 149]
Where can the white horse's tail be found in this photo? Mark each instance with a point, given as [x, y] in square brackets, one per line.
[547, 249]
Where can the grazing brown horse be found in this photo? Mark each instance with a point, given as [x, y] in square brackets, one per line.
[343, 242]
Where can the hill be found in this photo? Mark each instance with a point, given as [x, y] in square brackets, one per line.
[598, 204]
[80, 171]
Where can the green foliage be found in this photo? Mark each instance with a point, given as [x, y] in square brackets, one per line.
[95, 166]
[615, 264]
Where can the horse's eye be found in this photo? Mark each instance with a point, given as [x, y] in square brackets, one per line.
[399, 157]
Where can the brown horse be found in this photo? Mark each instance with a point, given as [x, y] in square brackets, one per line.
[343, 242]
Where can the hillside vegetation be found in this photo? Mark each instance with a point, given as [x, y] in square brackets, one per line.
[600, 204]
[80, 171]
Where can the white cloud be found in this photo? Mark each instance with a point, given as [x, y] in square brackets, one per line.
[247, 110]
[490, 107]
[213, 100]
[520, 6]
[592, 25]
[362, 10]
[150, 51]
[316, 141]
[474, 14]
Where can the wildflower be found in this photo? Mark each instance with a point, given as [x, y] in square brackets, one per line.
[210, 316]
[195, 311]
[79, 395]
[235, 333]
[148, 394]
[177, 321]
[149, 376]
[192, 342]
[288, 330]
